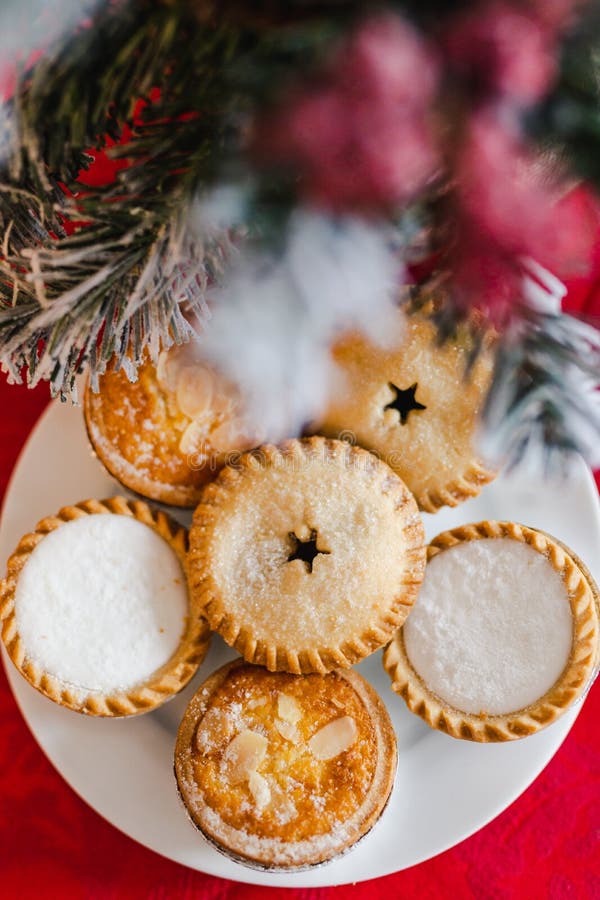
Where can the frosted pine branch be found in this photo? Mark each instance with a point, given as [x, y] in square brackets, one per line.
[85, 306]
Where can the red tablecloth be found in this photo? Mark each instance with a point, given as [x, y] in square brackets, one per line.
[546, 845]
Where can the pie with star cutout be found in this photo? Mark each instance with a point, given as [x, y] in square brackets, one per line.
[414, 406]
[306, 557]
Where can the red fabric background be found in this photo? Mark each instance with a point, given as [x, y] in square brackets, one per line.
[546, 845]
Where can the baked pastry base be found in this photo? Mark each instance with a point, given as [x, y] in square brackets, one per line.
[583, 662]
[431, 446]
[268, 838]
[136, 436]
[166, 681]
[355, 593]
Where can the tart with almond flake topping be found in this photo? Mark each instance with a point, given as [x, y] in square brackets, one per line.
[168, 433]
[281, 771]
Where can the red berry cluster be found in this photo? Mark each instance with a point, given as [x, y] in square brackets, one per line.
[394, 113]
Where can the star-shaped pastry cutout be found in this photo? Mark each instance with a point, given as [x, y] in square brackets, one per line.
[404, 401]
[305, 550]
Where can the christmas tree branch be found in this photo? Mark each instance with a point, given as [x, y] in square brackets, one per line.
[545, 388]
[78, 294]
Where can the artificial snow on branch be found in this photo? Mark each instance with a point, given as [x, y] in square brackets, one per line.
[432, 139]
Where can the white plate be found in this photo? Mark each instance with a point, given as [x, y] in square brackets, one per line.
[445, 789]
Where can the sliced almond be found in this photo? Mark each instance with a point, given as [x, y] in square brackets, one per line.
[193, 438]
[256, 702]
[194, 390]
[333, 738]
[244, 755]
[216, 729]
[260, 790]
[168, 368]
[223, 403]
[287, 730]
[227, 436]
[171, 363]
[288, 708]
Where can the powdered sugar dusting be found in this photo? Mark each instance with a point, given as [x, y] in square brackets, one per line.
[491, 630]
[281, 851]
[101, 603]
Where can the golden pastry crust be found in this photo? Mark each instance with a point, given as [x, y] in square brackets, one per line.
[167, 680]
[136, 433]
[274, 607]
[432, 451]
[583, 660]
[314, 772]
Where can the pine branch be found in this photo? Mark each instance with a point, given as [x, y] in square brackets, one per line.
[110, 302]
[546, 389]
[62, 292]
[77, 296]
[120, 284]
[133, 278]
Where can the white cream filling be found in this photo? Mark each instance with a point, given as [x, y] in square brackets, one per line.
[492, 628]
[101, 603]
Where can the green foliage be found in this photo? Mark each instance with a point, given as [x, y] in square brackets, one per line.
[63, 288]
[90, 275]
[544, 390]
[568, 122]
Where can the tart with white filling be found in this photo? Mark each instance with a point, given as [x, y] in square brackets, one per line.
[306, 557]
[284, 771]
[95, 608]
[504, 636]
